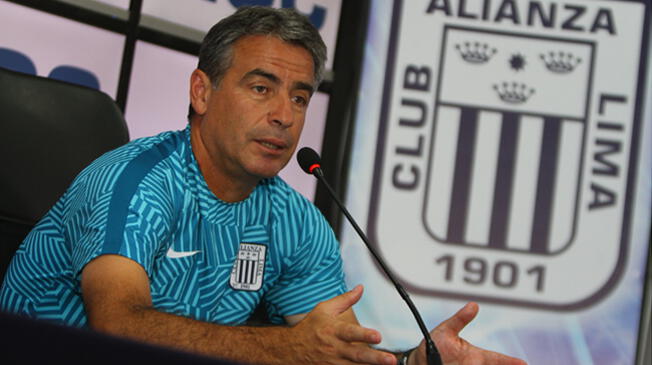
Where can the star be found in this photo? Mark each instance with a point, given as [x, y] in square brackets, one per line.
[517, 62]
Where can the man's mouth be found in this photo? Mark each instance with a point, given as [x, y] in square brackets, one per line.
[270, 145]
[273, 144]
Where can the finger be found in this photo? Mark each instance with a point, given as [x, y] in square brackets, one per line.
[349, 332]
[367, 355]
[342, 302]
[495, 358]
[460, 319]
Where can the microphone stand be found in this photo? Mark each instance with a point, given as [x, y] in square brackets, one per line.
[432, 354]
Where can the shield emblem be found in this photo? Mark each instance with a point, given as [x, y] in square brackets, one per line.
[249, 267]
[505, 156]
[509, 106]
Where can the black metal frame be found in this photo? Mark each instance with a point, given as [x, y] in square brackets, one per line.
[340, 121]
[135, 8]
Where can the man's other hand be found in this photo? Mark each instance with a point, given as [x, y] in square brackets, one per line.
[330, 334]
[455, 350]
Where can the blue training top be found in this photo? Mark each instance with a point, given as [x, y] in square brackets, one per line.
[205, 258]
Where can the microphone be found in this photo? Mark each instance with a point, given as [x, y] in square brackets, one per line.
[311, 163]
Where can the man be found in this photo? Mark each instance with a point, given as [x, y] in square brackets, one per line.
[174, 239]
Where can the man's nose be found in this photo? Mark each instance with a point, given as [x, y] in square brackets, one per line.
[281, 112]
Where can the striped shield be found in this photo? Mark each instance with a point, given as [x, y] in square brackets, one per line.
[245, 271]
[249, 267]
[496, 176]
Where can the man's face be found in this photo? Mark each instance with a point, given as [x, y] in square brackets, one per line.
[254, 117]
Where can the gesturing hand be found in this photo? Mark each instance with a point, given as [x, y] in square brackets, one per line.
[330, 334]
[455, 350]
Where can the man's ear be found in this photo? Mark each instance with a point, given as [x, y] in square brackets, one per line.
[200, 91]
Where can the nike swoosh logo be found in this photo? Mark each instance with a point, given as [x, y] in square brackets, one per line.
[178, 254]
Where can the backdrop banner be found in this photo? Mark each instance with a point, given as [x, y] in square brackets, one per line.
[501, 157]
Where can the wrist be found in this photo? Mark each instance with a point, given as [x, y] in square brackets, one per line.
[404, 357]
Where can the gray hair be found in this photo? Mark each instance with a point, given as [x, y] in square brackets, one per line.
[216, 52]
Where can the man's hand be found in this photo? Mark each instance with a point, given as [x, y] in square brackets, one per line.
[455, 350]
[330, 334]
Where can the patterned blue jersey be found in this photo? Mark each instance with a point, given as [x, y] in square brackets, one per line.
[205, 258]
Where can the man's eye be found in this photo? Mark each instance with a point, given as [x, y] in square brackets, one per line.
[260, 89]
[300, 100]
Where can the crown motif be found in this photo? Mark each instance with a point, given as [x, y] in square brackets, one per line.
[560, 62]
[513, 93]
[475, 52]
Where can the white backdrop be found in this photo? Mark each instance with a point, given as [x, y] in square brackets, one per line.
[51, 41]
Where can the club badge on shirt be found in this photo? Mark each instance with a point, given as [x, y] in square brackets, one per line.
[249, 266]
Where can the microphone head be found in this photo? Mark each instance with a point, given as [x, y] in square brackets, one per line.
[308, 160]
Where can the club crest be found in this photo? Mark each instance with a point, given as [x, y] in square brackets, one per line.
[507, 150]
[249, 267]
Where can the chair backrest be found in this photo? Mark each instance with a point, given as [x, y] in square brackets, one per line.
[49, 131]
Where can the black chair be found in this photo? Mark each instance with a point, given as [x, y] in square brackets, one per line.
[49, 131]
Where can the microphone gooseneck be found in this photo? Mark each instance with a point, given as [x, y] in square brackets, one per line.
[311, 163]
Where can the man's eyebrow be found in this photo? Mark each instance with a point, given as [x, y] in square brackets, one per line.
[259, 72]
[300, 85]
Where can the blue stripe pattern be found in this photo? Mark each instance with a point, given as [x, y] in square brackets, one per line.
[149, 197]
[125, 188]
